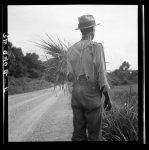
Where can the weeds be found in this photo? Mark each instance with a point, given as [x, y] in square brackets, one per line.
[121, 123]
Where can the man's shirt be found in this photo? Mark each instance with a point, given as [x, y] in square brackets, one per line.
[87, 57]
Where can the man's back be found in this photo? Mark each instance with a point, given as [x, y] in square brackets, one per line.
[87, 57]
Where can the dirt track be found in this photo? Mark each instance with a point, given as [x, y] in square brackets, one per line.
[40, 116]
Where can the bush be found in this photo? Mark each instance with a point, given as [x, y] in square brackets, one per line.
[122, 77]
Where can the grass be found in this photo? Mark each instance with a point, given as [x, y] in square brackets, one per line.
[121, 123]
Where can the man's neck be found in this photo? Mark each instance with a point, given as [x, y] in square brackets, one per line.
[86, 37]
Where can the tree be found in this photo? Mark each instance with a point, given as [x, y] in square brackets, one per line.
[125, 66]
[20, 65]
[15, 61]
[120, 76]
[133, 76]
[34, 66]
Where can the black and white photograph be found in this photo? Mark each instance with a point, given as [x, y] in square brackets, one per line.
[72, 73]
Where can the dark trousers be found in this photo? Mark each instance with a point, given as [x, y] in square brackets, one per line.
[87, 112]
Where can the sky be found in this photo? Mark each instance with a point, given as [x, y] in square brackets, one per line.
[118, 29]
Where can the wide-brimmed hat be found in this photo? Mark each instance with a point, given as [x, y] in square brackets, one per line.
[86, 21]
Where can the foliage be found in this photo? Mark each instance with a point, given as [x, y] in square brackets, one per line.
[23, 66]
[34, 65]
[125, 66]
[121, 123]
[25, 84]
[123, 75]
[16, 64]
[56, 66]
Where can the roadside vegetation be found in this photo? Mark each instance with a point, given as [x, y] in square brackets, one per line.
[25, 84]
[121, 123]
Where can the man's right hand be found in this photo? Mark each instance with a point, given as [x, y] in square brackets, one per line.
[107, 105]
[107, 102]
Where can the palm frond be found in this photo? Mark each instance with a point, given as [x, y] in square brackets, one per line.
[56, 66]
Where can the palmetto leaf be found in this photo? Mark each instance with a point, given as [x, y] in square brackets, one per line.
[56, 66]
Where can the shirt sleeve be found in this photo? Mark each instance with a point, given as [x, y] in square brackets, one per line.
[101, 67]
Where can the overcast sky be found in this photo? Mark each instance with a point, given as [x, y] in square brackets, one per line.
[117, 32]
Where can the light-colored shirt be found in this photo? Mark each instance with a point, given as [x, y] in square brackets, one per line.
[87, 57]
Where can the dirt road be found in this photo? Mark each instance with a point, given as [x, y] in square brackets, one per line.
[40, 116]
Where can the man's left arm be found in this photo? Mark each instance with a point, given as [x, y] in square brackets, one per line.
[101, 66]
[103, 82]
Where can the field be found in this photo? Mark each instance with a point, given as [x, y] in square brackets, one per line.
[121, 123]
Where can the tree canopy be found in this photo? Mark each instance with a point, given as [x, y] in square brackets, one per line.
[20, 65]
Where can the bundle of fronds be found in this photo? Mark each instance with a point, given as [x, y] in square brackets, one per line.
[55, 66]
